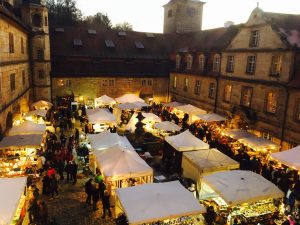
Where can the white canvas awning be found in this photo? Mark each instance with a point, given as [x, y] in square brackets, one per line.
[149, 118]
[106, 140]
[210, 117]
[237, 133]
[259, 144]
[105, 100]
[172, 104]
[157, 201]
[132, 105]
[240, 186]
[37, 112]
[29, 140]
[289, 158]
[27, 127]
[98, 116]
[41, 104]
[190, 109]
[209, 160]
[186, 142]
[167, 126]
[129, 98]
[11, 190]
[118, 163]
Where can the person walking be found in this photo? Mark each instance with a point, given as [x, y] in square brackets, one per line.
[88, 190]
[74, 168]
[43, 213]
[106, 204]
[33, 210]
[53, 186]
[95, 195]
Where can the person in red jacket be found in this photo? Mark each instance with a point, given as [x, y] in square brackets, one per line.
[51, 171]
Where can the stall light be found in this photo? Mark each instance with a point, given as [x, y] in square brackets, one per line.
[61, 83]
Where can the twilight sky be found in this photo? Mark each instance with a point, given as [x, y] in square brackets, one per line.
[147, 15]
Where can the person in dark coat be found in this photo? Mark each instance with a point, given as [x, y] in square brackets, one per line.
[95, 195]
[106, 204]
[69, 171]
[74, 168]
[88, 190]
[46, 185]
[102, 188]
[53, 185]
[43, 213]
[33, 211]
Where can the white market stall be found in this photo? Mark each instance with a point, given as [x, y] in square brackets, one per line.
[196, 164]
[100, 119]
[164, 202]
[104, 100]
[41, 104]
[191, 110]
[129, 98]
[12, 205]
[149, 120]
[166, 127]
[249, 194]
[260, 144]
[290, 158]
[237, 133]
[37, 116]
[210, 117]
[172, 104]
[27, 127]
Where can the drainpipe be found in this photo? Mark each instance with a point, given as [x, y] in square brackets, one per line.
[217, 85]
[284, 115]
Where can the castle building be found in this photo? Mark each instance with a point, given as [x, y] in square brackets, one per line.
[249, 72]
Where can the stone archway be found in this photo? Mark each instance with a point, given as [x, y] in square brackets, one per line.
[9, 120]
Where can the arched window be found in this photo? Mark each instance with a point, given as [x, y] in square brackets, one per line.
[189, 62]
[216, 63]
[178, 61]
[201, 62]
[37, 20]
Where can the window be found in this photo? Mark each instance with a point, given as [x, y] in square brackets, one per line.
[275, 66]
[22, 45]
[139, 45]
[45, 21]
[212, 90]
[91, 31]
[298, 110]
[186, 84]
[246, 96]
[110, 83]
[251, 62]
[23, 77]
[11, 43]
[201, 62]
[77, 42]
[254, 38]
[170, 13]
[217, 63]
[178, 61]
[149, 82]
[41, 74]
[197, 87]
[37, 20]
[227, 92]
[59, 29]
[122, 33]
[175, 82]
[109, 44]
[191, 11]
[230, 64]
[271, 102]
[40, 54]
[68, 83]
[12, 82]
[144, 82]
[189, 62]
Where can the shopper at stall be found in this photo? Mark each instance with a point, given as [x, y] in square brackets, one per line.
[43, 213]
[53, 186]
[102, 188]
[106, 204]
[210, 215]
[46, 185]
[95, 195]
[33, 211]
[88, 190]
[74, 168]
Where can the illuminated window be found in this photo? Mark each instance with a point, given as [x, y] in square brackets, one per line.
[197, 87]
[230, 64]
[254, 38]
[275, 66]
[175, 82]
[251, 62]
[186, 84]
[246, 96]
[227, 92]
[271, 102]
[189, 62]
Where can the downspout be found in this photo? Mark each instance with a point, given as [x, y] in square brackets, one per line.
[31, 65]
[217, 85]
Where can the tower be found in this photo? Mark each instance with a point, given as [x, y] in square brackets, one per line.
[183, 16]
[35, 15]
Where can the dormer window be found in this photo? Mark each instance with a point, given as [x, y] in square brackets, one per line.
[254, 38]
[216, 63]
[91, 31]
[178, 61]
[37, 20]
[139, 45]
[201, 62]
[189, 62]
[77, 42]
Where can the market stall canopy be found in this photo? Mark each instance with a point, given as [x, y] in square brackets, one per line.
[98, 116]
[27, 127]
[11, 190]
[167, 126]
[210, 117]
[259, 144]
[120, 163]
[105, 100]
[289, 158]
[41, 104]
[240, 186]
[131, 106]
[186, 142]
[190, 109]
[237, 133]
[129, 98]
[172, 104]
[209, 160]
[29, 140]
[106, 140]
[157, 201]
[149, 118]
[37, 112]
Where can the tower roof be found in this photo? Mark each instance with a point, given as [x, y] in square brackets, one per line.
[180, 1]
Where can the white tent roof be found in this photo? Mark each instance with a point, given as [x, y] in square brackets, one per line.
[106, 140]
[289, 158]
[37, 112]
[120, 163]
[211, 117]
[97, 116]
[27, 127]
[29, 140]
[237, 133]
[131, 106]
[106, 100]
[157, 201]
[259, 143]
[11, 190]
[149, 117]
[41, 104]
[209, 160]
[167, 126]
[190, 109]
[186, 142]
[172, 104]
[129, 98]
[240, 186]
